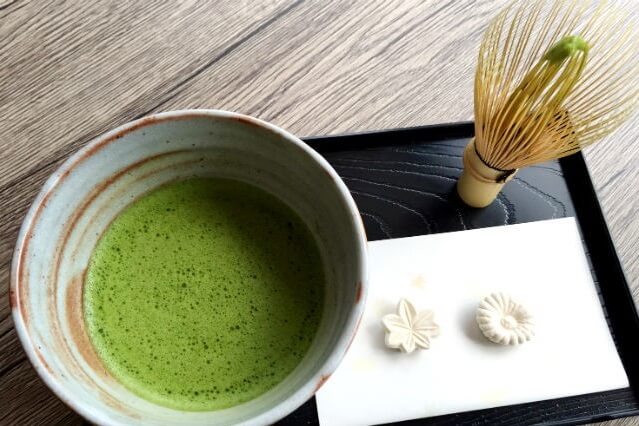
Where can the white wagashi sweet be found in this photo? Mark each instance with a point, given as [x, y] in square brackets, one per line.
[409, 329]
[504, 321]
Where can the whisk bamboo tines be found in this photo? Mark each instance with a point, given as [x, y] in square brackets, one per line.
[553, 76]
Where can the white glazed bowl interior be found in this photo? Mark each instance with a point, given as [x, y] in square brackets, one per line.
[92, 187]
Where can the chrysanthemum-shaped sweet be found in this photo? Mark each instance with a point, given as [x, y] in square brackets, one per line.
[504, 321]
[409, 329]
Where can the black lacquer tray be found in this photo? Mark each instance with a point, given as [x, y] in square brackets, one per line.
[403, 182]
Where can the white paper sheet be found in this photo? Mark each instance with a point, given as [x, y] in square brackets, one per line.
[542, 264]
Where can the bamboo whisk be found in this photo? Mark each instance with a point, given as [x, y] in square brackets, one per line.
[553, 76]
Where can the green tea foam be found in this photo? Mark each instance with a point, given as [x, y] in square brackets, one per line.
[203, 294]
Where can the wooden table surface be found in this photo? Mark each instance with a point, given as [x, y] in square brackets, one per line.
[71, 70]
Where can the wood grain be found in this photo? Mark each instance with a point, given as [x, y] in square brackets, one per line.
[72, 70]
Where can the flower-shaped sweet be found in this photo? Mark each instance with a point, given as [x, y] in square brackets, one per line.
[504, 321]
[409, 329]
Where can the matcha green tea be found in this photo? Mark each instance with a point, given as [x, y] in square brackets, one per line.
[203, 294]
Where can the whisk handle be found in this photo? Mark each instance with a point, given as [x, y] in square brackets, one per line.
[479, 184]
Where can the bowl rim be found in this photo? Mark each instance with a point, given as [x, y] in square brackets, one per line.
[18, 310]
